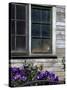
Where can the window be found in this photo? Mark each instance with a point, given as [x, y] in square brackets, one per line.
[18, 27]
[32, 29]
[41, 23]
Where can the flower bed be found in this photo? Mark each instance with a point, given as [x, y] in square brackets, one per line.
[29, 75]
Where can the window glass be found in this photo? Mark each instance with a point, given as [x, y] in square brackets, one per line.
[20, 42]
[20, 27]
[41, 30]
[45, 31]
[12, 42]
[41, 45]
[35, 15]
[46, 16]
[36, 45]
[20, 12]
[46, 45]
[35, 29]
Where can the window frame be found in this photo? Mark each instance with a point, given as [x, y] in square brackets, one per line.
[26, 26]
[53, 32]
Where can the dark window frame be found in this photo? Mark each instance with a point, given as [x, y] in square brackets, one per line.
[18, 20]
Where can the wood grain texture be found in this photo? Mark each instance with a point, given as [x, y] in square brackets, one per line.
[52, 66]
[60, 9]
[60, 17]
[60, 30]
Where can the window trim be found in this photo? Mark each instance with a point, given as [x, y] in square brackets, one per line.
[53, 32]
[30, 29]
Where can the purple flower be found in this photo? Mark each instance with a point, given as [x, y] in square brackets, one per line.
[22, 74]
[14, 70]
[47, 73]
[56, 79]
[18, 76]
[12, 78]
[41, 75]
[23, 78]
[51, 76]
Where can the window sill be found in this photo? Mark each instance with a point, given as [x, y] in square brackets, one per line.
[26, 56]
[18, 54]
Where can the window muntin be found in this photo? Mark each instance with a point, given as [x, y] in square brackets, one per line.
[41, 41]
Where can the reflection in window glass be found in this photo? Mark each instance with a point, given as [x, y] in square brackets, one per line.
[35, 15]
[35, 29]
[20, 42]
[20, 26]
[36, 45]
[46, 16]
[41, 45]
[46, 45]
[41, 30]
[45, 31]
[12, 42]
[20, 12]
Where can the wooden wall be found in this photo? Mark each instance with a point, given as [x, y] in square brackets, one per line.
[52, 65]
[60, 31]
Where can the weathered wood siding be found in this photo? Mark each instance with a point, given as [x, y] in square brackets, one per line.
[53, 65]
[60, 31]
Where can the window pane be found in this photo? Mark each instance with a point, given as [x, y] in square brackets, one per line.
[12, 27]
[45, 15]
[46, 45]
[12, 11]
[36, 45]
[35, 29]
[45, 31]
[41, 45]
[20, 12]
[20, 42]
[35, 15]
[20, 27]
[12, 42]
